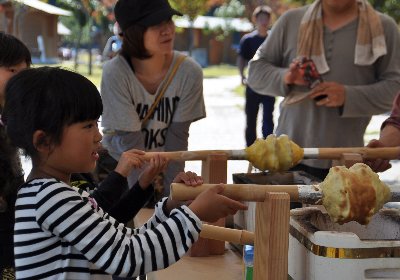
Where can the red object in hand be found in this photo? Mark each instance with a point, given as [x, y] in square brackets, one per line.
[311, 75]
[310, 72]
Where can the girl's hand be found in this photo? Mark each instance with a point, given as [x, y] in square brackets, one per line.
[155, 166]
[128, 161]
[188, 178]
[210, 205]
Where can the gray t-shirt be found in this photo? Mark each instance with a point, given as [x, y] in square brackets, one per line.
[369, 89]
[126, 103]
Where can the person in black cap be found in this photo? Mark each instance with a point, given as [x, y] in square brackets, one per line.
[136, 80]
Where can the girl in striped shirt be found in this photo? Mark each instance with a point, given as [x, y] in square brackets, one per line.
[52, 115]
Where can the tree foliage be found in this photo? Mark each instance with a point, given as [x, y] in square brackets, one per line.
[228, 11]
[191, 8]
[88, 15]
[389, 7]
[233, 8]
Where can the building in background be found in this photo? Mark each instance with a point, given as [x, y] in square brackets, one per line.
[209, 49]
[34, 23]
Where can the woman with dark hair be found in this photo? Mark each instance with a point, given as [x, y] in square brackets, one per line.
[137, 81]
[14, 57]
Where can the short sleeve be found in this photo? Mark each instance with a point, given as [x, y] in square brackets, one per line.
[117, 94]
[191, 100]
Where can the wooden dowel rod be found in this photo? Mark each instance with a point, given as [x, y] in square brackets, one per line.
[227, 234]
[240, 192]
[366, 153]
[322, 153]
[197, 155]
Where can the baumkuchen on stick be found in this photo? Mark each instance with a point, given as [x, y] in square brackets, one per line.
[353, 194]
[227, 234]
[280, 154]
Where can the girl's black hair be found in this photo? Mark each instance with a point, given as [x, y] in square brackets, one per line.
[133, 42]
[13, 51]
[47, 99]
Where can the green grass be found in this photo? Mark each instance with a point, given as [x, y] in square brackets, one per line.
[209, 72]
[216, 71]
[239, 90]
[82, 69]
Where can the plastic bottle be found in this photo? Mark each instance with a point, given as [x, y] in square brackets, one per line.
[248, 255]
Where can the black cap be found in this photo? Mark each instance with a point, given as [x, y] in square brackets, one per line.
[142, 12]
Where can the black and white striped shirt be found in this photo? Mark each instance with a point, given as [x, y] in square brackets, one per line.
[60, 234]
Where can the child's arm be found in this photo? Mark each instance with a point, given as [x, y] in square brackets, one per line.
[106, 194]
[62, 212]
[133, 200]
[130, 203]
[110, 191]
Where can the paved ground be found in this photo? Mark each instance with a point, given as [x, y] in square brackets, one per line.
[224, 127]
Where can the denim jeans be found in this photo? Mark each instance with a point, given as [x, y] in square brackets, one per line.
[253, 102]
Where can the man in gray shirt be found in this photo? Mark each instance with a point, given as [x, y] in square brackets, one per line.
[362, 75]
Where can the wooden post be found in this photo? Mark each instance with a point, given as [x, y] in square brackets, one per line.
[214, 171]
[271, 242]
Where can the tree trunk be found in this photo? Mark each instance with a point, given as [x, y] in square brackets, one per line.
[191, 37]
[90, 59]
[90, 47]
[77, 45]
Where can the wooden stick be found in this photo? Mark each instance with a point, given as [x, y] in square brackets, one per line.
[321, 153]
[241, 192]
[365, 152]
[198, 155]
[236, 236]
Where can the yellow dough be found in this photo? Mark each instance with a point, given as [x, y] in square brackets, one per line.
[274, 153]
[353, 194]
